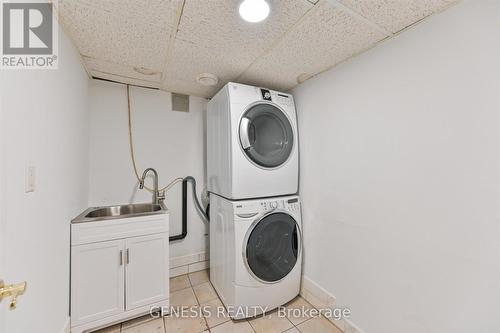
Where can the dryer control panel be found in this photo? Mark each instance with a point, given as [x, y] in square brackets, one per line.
[277, 97]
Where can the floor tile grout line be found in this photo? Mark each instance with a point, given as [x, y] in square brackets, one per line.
[196, 296]
[189, 279]
[251, 326]
[199, 305]
[198, 301]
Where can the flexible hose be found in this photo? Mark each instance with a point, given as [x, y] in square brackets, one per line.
[195, 199]
[173, 182]
[132, 152]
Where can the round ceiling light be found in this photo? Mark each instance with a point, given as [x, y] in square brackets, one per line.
[254, 10]
[207, 79]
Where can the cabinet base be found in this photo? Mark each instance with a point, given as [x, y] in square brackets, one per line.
[111, 320]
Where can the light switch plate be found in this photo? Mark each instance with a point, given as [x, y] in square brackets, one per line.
[30, 181]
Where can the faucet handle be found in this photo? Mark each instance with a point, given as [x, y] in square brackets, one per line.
[161, 195]
[141, 184]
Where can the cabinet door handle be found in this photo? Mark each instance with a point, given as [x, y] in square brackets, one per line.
[127, 256]
[121, 257]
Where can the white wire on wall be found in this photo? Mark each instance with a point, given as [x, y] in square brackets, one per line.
[132, 152]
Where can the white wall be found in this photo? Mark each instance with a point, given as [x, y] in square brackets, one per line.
[400, 177]
[171, 142]
[43, 122]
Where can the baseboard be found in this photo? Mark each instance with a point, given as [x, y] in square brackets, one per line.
[322, 299]
[67, 326]
[188, 264]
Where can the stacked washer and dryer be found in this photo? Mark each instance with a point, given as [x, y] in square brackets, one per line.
[255, 219]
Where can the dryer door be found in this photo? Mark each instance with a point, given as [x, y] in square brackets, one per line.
[272, 247]
[266, 135]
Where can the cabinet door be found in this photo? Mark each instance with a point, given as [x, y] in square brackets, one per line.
[146, 270]
[97, 281]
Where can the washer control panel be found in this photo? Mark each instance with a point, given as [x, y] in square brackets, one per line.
[253, 208]
[272, 205]
[292, 204]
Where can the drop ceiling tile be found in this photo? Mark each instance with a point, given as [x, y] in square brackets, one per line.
[188, 64]
[213, 38]
[102, 66]
[217, 24]
[395, 15]
[327, 36]
[128, 32]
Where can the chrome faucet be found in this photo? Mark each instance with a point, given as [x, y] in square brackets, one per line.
[157, 196]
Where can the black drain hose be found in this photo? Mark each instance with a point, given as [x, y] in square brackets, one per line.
[195, 198]
[204, 215]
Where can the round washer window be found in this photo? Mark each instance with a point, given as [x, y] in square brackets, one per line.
[266, 135]
[273, 246]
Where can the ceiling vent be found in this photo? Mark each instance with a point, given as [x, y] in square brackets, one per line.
[180, 102]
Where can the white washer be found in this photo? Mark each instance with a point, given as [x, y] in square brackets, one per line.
[252, 143]
[255, 253]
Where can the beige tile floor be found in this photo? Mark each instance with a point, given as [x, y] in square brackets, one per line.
[194, 290]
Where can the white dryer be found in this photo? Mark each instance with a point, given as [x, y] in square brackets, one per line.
[252, 143]
[255, 253]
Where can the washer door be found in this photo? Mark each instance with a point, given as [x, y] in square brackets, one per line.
[272, 247]
[266, 135]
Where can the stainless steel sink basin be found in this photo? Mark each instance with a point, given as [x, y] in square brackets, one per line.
[120, 211]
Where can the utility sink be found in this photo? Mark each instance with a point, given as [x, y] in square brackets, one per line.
[119, 212]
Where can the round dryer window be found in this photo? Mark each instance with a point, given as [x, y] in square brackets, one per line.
[272, 248]
[266, 135]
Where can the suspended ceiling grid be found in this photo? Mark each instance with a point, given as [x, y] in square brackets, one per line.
[165, 44]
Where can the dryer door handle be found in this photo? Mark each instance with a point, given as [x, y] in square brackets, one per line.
[244, 138]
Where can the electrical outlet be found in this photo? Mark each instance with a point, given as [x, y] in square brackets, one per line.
[30, 181]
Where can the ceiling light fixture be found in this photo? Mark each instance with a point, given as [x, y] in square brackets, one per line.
[207, 79]
[254, 10]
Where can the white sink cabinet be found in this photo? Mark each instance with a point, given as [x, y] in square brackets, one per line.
[119, 270]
